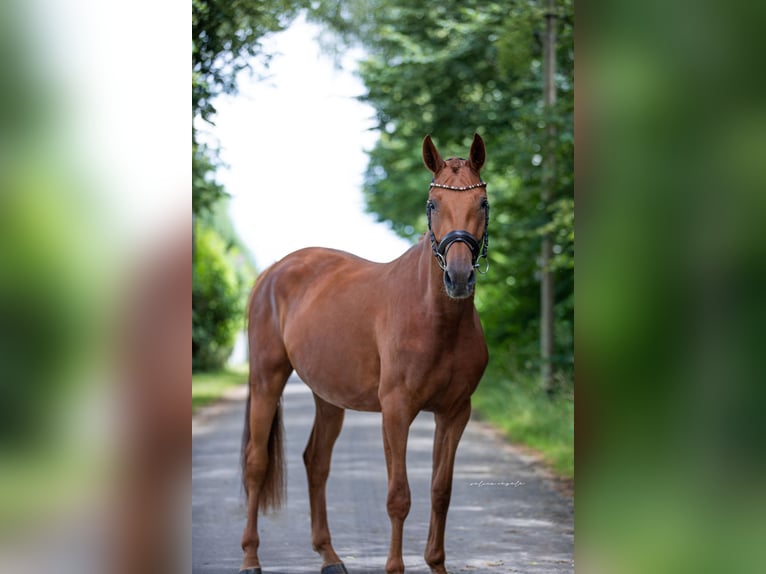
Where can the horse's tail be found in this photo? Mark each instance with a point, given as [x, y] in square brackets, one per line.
[274, 486]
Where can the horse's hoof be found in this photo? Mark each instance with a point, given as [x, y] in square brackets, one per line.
[338, 568]
[253, 570]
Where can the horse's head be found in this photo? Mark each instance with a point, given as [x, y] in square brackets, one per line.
[458, 215]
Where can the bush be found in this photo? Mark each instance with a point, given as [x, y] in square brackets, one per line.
[217, 302]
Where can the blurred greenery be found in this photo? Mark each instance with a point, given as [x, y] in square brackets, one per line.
[46, 318]
[221, 279]
[57, 289]
[671, 466]
[52, 270]
[89, 243]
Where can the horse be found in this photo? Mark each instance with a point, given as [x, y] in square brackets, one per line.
[396, 338]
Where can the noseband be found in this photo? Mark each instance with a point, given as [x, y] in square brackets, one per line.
[478, 250]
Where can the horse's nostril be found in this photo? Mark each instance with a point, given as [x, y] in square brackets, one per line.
[461, 284]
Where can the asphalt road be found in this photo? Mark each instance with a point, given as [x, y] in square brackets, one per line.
[506, 515]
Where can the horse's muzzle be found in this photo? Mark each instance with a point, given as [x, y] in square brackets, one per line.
[459, 276]
[459, 281]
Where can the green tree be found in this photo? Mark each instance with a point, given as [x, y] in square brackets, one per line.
[206, 190]
[218, 303]
[452, 69]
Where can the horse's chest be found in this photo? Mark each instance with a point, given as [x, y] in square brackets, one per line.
[436, 367]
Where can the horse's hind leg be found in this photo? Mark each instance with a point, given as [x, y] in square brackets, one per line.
[327, 425]
[262, 457]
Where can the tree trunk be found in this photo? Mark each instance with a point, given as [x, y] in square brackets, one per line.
[548, 188]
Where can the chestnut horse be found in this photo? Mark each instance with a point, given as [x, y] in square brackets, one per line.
[396, 338]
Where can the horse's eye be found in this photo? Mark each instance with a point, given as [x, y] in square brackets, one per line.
[430, 205]
[484, 203]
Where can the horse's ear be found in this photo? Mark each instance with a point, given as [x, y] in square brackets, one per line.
[431, 156]
[478, 153]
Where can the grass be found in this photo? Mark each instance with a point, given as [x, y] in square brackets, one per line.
[209, 387]
[523, 411]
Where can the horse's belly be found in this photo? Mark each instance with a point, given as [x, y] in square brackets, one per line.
[342, 384]
[339, 363]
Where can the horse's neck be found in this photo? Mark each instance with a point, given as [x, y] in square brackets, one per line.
[425, 284]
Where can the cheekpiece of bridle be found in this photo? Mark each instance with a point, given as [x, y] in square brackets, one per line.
[478, 249]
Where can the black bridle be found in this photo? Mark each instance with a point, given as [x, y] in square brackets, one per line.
[478, 250]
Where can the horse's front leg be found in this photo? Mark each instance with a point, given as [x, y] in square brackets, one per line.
[396, 427]
[449, 429]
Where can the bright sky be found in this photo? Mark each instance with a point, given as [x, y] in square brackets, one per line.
[295, 146]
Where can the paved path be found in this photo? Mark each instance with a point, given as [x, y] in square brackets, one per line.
[505, 515]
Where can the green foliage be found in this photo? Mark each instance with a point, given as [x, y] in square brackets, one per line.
[452, 69]
[49, 300]
[206, 191]
[218, 218]
[217, 302]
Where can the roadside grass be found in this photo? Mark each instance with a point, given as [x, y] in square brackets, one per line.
[209, 387]
[522, 410]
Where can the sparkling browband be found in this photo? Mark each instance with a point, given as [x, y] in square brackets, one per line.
[455, 188]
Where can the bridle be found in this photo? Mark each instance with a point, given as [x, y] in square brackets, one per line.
[478, 250]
